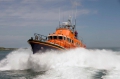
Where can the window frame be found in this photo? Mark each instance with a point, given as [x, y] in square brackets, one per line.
[60, 37]
[50, 37]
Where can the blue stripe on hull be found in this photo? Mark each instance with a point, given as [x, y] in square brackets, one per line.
[41, 47]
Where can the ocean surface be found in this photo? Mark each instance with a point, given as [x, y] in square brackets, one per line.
[102, 63]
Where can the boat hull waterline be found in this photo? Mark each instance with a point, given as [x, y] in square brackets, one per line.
[38, 46]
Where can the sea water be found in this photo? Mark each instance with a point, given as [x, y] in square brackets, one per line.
[77, 63]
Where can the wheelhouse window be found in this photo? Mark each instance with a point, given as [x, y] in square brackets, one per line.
[60, 37]
[68, 39]
[64, 38]
[72, 41]
[54, 37]
[50, 37]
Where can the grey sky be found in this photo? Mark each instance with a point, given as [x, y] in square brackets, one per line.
[98, 21]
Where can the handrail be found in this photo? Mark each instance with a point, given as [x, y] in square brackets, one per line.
[40, 37]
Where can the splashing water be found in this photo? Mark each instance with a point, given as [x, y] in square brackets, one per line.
[71, 64]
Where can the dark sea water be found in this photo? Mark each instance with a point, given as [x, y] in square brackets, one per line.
[97, 63]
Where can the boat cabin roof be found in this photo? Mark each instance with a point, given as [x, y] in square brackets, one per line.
[63, 32]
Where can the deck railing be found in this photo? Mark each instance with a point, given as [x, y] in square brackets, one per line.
[39, 37]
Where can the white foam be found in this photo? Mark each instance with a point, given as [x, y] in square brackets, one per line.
[72, 64]
[16, 60]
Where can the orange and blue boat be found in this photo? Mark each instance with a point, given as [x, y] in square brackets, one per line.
[65, 37]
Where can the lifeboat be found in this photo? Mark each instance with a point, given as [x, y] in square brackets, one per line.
[65, 37]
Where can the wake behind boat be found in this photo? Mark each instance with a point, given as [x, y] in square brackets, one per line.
[65, 37]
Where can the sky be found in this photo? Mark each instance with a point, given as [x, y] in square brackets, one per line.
[98, 21]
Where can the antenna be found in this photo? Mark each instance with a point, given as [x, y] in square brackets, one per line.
[70, 19]
[63, 16]
[59, 17]
[75, 16]
[72, 16]
[75, 24]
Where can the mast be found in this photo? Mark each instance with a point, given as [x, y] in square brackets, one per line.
[59, 17]
[75, 25]
[75, 16]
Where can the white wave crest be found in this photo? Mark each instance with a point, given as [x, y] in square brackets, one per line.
[75, 63]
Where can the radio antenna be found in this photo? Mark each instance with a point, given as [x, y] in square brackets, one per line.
[59, 17]
[75, 16]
